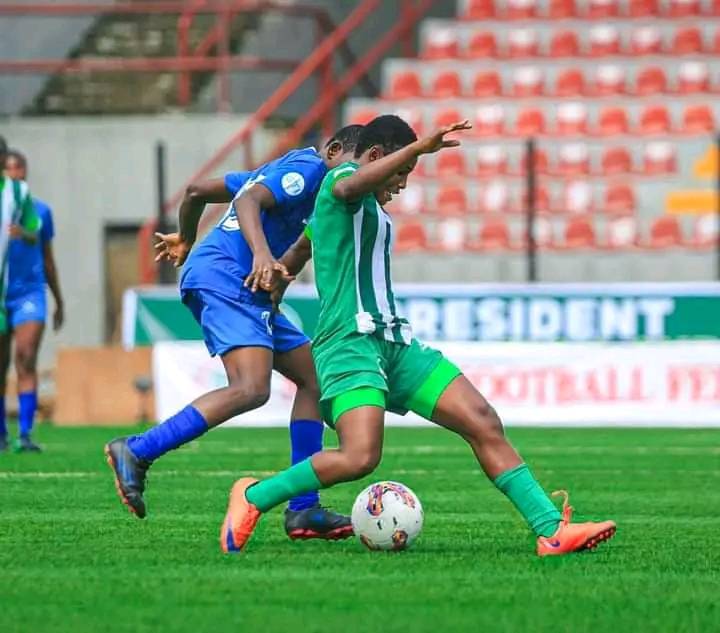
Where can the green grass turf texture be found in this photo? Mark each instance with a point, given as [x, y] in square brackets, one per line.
[73, 559]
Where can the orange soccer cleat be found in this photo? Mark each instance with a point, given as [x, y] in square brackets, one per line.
[241, 518]
[573, 537]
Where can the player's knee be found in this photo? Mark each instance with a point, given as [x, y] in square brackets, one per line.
[364, 462]
[25, 360]
[245, 395]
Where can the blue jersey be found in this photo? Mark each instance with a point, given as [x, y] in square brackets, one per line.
[223, 259]
[26, 264]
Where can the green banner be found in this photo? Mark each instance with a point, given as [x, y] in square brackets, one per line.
[492, 312]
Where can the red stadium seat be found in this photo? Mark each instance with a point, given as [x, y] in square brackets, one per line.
[573, 160]
[578, 197]
[570, 83]
[655, 119]
[713, 8]
[411, 236]
[480, 9]
[609, 79]
[529, 122]
[451, 163]
[642, 8]
[665, 232]
[413, 117]
[405, 85]
[698, 119]
[527, 81]
[494, 197]
[616, 160]
[602, 9]
[646, 40]
[651, 81]
[561, 9]
[522, 43]
[441, 43]
[451, 200]
[621, 233]
[564, 44]
[604, 40]
[487, 84]
[447, 85]
[542, 200]
[492, 160]
[687, 41]
[571, 118]
[544, 234]
[659, 158]
[494, 235]
[705, 231]
[619, 200]
[410, 202]
[612, 121]
[520, 9]
[482, 44]
[489, 120]
[579, 233]
[542, 164]
[683, 8]
[693, 77]
[714, 48]
[447, 116]
[451, 235]
[363, 116]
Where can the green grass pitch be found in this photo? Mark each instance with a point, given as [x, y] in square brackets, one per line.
[73, 560]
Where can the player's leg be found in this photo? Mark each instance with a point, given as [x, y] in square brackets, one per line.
[28, 336]
[241, 336]
[304, 517]
[449, 399]
[360, 432]
[5, 342]
[27, 321]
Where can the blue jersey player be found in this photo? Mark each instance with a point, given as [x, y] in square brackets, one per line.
[31, 266]
[221, 284]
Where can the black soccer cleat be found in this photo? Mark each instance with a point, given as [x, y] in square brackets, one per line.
[26, 445]
[130, 473]
[4, 444]
[317, 522]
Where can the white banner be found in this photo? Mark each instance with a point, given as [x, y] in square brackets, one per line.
[673, 383]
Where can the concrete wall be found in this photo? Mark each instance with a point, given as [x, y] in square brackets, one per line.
[96, 171]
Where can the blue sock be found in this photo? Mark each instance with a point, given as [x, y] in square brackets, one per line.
[26, 415]
[3, 424]
[305, 440]
[181, 428]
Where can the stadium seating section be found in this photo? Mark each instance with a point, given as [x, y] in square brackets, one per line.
[620, 95]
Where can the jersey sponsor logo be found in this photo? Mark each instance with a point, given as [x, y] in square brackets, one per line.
[265, 316]
[229, 221]
[293, 183]
[28, 307]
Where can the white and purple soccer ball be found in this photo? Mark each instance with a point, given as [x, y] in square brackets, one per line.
[387, 516]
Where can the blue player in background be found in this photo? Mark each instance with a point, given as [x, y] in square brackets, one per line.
[221, 283]
[30, 267]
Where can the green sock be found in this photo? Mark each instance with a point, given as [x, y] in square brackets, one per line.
[518, 485]
[296, 480]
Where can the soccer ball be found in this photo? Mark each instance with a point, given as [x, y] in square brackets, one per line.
[387, 516]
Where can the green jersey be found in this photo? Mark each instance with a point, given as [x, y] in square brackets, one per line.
[351, 253]
[16, 207]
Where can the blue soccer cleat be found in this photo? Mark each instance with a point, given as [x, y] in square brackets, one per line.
[317, 522]
[130, 473]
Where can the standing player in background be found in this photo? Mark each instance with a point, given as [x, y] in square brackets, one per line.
[19, 225]
[220, 284]
[368, 361]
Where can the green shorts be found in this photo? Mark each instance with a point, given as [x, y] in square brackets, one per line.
[398, 377]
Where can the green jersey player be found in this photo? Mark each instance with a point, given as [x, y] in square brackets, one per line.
[368, 362]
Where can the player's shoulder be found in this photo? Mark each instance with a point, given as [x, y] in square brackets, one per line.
[306, 158]
[42, 207]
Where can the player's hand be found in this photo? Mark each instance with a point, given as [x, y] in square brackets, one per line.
[16, 232]
[58, 317]
[265, 271]
[437, 141]
[277, 294]
[172, 248]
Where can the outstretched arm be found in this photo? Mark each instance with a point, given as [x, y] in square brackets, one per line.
[53, 282]
[372, 175]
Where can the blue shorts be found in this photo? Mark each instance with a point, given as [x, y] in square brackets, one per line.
[229, 323]
[31, 306]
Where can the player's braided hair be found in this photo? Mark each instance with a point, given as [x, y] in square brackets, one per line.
[347, 136]
[389, 131]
